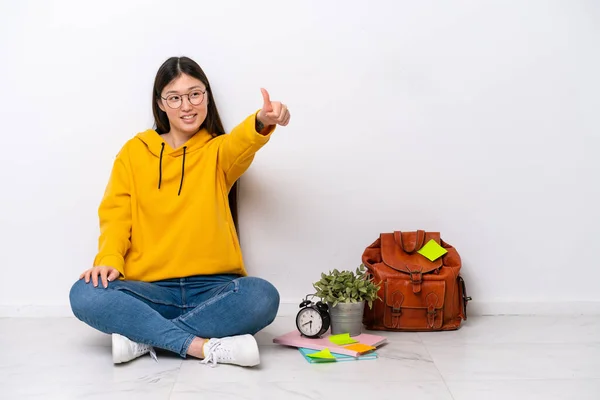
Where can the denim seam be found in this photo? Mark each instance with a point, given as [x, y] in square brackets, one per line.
[145, 296]
[186, 346]
[209, 302]
[139, 339]
[182, 290]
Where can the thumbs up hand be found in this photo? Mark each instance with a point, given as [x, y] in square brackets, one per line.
[273, 112]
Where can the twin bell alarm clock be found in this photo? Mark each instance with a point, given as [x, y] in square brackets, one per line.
[313, 318]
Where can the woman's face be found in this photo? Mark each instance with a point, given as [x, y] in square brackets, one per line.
[185, 101]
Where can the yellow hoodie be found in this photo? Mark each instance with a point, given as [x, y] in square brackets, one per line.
[165, 212]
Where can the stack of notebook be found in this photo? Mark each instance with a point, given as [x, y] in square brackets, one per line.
[330, 348]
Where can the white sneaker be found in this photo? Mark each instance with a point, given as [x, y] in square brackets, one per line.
[124, 350]
[241, 350]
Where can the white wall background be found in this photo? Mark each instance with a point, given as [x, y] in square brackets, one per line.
[475, 118]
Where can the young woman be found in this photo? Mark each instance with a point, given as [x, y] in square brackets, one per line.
[169, 272]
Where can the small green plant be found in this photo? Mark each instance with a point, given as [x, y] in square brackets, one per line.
[347, 287]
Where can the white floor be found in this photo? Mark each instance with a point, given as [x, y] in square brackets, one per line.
[489, 358]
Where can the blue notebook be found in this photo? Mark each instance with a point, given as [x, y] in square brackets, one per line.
[338, 357]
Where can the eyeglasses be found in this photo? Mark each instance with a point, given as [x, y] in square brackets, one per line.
[195, 97]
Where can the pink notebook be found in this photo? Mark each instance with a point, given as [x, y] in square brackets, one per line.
[295, 339]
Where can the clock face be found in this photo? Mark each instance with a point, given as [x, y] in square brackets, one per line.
[309, 322]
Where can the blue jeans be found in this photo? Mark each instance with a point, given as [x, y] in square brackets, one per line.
[169, 314]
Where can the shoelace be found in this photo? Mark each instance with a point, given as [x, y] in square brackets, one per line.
[139, 348]
[215, 352]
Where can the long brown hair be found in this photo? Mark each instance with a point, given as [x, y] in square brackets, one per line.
[171, 69]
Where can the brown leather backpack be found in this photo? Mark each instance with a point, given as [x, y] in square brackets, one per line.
[416, 294]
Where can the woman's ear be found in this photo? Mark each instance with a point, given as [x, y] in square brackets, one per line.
[160, 105]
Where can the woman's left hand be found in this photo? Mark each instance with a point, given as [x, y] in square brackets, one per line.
[273, 112]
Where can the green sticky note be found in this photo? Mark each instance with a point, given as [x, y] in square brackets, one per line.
[324, 354]
[341, 339]
[432, 250]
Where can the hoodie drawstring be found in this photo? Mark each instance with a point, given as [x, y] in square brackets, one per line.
[160, 168]
[160, 165]
[182, 170]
